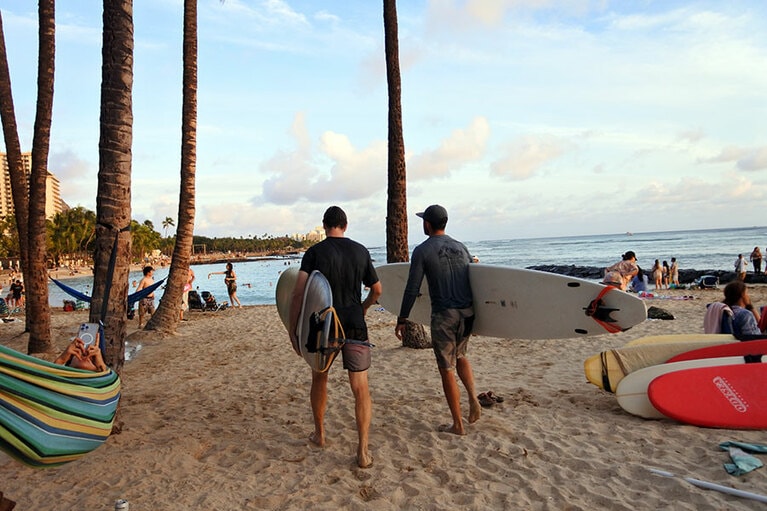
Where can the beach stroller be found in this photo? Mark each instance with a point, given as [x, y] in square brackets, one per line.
[210, 302]
[195, 302]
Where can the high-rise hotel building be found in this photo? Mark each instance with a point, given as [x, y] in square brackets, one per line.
[53, 202]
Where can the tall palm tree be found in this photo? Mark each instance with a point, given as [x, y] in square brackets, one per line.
[167, 316]
[36, 277]
[396, 204]
[19, 189]
[167, 224]
[113, 197]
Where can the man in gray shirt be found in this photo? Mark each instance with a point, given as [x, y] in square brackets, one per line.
[445, 264]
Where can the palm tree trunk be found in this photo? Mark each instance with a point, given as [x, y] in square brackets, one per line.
[35, 279]
[167, 316]
[19, 189]
[396, 204]
[113, 197]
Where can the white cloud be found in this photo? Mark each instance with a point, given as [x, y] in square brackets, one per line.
[461, 147]
[337, 171]
[526, 155]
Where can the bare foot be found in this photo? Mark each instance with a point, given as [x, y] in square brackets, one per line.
[475, 410]
[452, 428]
[364, 459]
[317, 439]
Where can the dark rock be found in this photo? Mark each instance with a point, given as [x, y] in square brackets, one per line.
[658, 313]
[686, 276]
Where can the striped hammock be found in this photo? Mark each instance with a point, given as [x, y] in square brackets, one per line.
[52, 414]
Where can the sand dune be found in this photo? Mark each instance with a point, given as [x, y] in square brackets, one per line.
[217, 417]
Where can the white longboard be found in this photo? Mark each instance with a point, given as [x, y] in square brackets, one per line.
[524, 304]
[632, 390]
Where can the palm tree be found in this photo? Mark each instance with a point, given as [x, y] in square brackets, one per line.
[396, 204]
[113, 197]
[18, 178]
[167, 316]
[36, 277]
[166, 224]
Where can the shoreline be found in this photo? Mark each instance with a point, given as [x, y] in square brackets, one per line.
[229, 430]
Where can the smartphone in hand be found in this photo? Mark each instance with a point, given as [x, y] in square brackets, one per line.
[89, 334]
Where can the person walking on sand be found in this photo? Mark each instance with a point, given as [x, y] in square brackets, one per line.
[146, 305]
[756, 258]
[230, 280]
[740, 267]
[444, 262]
[347, 266]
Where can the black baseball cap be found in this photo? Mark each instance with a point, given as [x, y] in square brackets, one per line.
[434, 214]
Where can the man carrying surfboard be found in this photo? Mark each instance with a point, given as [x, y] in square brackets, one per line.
[445, 264]
[346, 265]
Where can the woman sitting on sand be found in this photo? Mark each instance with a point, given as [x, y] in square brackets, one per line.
[745, 320]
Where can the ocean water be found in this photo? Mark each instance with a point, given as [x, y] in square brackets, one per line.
[711, 249]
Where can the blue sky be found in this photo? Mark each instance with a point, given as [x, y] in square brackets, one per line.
[525, 118]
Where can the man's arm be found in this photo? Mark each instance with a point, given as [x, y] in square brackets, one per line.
[373, 295]
[295, 308]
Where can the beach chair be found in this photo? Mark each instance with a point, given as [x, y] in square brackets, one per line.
[7, 311]
[708, 282]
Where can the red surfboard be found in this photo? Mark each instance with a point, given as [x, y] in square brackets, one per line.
[731, 397]
[733, 349]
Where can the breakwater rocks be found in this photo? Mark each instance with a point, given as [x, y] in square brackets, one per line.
[685, 276]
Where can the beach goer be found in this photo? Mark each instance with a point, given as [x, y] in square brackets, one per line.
[230, 280]
[78, 356]
[740, 267]
[17, 294]
[674, 272]
[146, 305]
[640, 282]
[621, 273]
[657, 274]
[185, 294]
[445, 262]
[745, 320]
[756, 259]
[666, 270]
[347, 265]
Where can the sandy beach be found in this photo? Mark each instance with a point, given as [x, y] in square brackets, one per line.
[217, 418]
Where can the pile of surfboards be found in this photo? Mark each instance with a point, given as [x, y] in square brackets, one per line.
[706, 380]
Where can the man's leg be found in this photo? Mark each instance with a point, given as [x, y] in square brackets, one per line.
[453, 396]
[319, 399]
[466, 375]
[363, 411]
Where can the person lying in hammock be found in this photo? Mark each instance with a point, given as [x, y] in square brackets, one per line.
[78, 356]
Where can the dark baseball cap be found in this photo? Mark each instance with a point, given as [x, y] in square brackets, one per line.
[434, 214]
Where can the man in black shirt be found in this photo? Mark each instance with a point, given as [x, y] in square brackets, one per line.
[347, 265]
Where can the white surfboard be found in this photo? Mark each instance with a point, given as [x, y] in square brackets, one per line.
[632, 389]
[314, 346]
[525, 304]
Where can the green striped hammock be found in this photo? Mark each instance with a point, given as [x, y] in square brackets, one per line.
[52, 414]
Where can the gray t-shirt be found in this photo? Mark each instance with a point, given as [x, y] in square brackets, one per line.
[445, 263]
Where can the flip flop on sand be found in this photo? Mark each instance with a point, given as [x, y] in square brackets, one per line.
[494, 397]
[485, 400]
